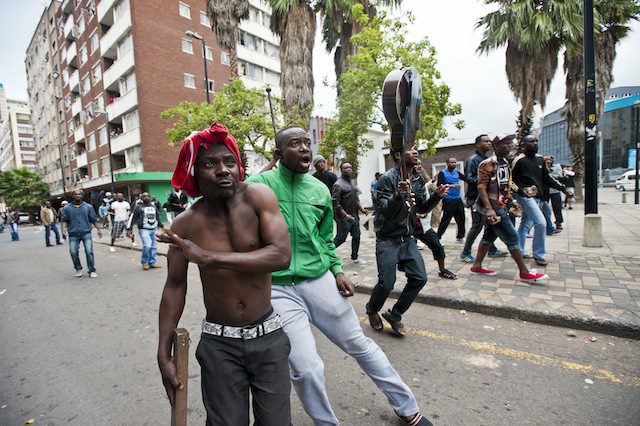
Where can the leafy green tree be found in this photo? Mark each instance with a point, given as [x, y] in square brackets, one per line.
[382, 46]
[22, 188]
[611, 25]
[533, 32]
[244, 111]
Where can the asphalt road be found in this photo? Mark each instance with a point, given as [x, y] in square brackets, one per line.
[81, 351]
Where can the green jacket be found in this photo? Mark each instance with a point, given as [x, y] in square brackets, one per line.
[306, 205]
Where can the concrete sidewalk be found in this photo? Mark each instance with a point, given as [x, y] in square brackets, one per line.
[589, 288]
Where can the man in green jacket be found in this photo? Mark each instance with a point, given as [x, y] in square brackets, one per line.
[313, 290]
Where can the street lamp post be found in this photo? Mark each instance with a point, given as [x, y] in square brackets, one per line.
[197, 36]
[636, 108]
[113, 185]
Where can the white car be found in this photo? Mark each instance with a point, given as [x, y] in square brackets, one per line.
[627, 181]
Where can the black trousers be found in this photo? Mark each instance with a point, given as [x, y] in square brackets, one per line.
[556, 205]
[233, 367]
[452, 209]
[430, 238]
[478, 222]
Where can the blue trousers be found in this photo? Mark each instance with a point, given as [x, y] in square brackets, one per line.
[47, 231]
[149, 246]
[532, 215]
[345, 228]
[74, 249]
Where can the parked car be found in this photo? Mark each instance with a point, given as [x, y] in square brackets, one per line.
[24, 217]
[626, 181]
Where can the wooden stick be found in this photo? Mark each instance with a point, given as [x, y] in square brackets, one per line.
[181, 358]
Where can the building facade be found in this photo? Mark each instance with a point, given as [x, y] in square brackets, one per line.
[120, 63]
[616, 127]
[17, 147]
[258, 49]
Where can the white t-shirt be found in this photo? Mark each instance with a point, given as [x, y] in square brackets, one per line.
[120, 208]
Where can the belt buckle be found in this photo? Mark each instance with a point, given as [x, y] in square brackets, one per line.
[248, 333]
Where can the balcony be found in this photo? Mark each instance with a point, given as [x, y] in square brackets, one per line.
[108, 42]
[79, 134]
[72, 54]
[68, 28]
[76, 107]
[66, 6]
[81, 160]
[105, 11]
[125, 141]
[74, 81]
[122, 105]
[116, 70]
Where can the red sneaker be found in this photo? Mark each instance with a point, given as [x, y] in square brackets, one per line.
[482, 271]
[532, 277]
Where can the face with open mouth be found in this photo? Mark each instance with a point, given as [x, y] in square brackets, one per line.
[296, 150]
[217, 171]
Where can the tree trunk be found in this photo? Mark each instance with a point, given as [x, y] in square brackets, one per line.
[233, 56]
[297, 37]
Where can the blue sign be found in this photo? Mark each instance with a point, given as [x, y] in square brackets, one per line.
[631, 159]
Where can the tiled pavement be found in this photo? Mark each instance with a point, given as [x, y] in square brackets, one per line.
[590, 288]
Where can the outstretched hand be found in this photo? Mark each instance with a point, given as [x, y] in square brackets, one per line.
[190, 250]
[442, 190]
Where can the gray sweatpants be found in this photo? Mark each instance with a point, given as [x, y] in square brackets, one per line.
[318, 302]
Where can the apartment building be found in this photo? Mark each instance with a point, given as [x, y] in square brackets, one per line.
[123, 62]
[258, 49]
[17, 147]
[44, 85]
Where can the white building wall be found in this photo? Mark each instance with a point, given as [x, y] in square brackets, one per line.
[370, 163]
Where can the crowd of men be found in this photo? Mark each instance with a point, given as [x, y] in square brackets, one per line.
[266, 250]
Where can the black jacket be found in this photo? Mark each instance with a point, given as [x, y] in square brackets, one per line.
[471, 172]
[145, 216]
[175, 199]
[392, 216]
[527, 171]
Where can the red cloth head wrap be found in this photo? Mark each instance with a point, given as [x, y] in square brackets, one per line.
[184, 175]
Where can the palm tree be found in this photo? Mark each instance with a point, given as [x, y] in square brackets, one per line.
[612, 17]
[225, 16]
[533, 32]
[295, 22]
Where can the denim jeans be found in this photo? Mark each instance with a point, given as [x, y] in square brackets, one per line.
[47, 231]
[74, 249]
[13, 228]
[478, 222]
[405, 255]
[532, 216]
[503, 230]
[149, 245]
[344, 228]
[318, 302]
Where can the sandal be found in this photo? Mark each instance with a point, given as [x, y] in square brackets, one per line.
[445, 273]
[374, 320]
[397, 325]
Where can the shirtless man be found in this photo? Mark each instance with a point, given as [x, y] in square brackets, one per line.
[237, 237]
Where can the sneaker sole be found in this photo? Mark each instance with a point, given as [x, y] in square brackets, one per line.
[489, 274]
[544, 277]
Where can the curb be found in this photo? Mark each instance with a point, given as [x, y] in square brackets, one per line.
[598, 325]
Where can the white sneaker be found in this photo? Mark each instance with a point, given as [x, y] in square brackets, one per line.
[112, 249]
[134, 244]
[93, 275]
[420, 245]
[78, 273]
[358, 262]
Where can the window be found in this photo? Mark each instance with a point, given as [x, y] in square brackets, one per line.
[190, 81]
[187, 46]
[104, 165]
[83, 55]
[273, 78]
[95, 42]
[130, 121]
[120, 9]
[98, 105]
[103, 136]
[184, 10]
[250, 70]
[204, 19]
[80, 25]
[91, 142]
[266, 20]
[208, 53]
[96, 74]
[211, 85]
[271, 51]
[224, 58]
[86, 85]
[125, 45]
[128, 83]
[94, 170]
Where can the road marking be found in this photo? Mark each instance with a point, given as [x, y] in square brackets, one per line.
[3, 291]
[540, 360]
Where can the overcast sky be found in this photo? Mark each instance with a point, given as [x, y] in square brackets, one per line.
[477, 82]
